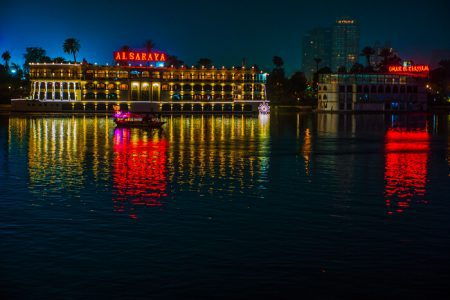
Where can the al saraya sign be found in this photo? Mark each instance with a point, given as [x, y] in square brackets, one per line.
[140, 56]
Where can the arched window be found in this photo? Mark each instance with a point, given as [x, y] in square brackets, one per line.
[112, 96]
[217, 88]
[88, 96]
[101, 86]
[123, 87]
[111, 86]
[101, 96]
[187, 88]
[197, 88]
[176, 87]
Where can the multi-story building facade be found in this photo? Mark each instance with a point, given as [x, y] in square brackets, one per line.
[93, 88]
[371, 92]
[316, 45]
[345, 44]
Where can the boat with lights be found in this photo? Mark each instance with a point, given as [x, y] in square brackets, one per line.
[129, 119]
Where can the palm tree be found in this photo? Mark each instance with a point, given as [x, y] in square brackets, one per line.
[390, 58]
[278, 62]
[6, 57]
[149, 45]
[368, 52]
[72, 46]
[318, 61]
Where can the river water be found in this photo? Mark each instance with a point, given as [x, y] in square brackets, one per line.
[295, 205]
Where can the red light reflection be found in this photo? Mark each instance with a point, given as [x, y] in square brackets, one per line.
[405, 168]
[140, 172]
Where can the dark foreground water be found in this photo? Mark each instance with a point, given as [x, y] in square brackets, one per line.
[311, 206]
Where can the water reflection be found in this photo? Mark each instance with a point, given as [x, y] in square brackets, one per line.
[62, 152]
[139, 170]
[219, 155]
[405, 168]
[69, 158]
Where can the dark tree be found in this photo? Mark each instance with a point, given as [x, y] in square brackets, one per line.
[278, 62]
[357, 68]
[297, 85]
[174, 61]
[149, 45]
[342, 70]
[389, 58]
[6, 56]
[204, 62]
[59, 60]
[277, 82]
[34, 55]
[72, 46]
[368, 52]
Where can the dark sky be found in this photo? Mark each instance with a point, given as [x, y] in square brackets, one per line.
[225, 31]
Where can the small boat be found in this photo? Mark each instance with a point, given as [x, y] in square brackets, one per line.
[128, 119]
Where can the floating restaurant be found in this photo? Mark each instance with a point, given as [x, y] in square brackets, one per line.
[140, 81]
[401, 88]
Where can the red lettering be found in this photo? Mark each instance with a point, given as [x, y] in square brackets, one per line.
[138, 56]
[150, 57]
[156, 56]
[163, 57]
[144, 56]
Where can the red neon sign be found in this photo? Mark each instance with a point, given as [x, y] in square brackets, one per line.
[139, 56]
[412, 70]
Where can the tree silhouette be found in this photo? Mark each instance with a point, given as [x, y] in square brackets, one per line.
[72, 46]
[278, 62]
[368, 52]
[6, 57]
[204, 62]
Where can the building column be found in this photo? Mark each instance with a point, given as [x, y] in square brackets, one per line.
[45, 95]
[61, 91]
[34, 90]
[39, 90]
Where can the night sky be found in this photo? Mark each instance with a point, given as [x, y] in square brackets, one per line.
[225, 31]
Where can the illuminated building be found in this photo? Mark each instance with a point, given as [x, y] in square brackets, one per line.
[140, 82]
[345, 44]
[401, 89]
[316, 44]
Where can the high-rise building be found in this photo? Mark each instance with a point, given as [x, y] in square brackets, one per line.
[316, 45]
[345, 43]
